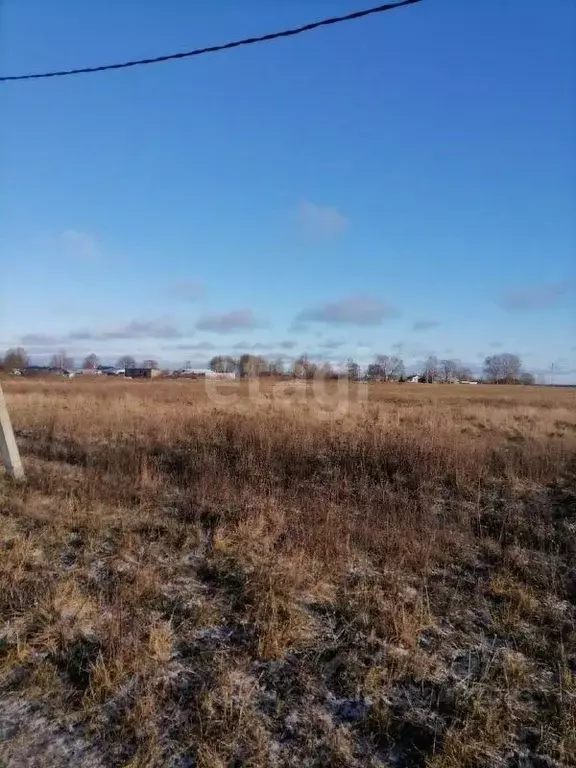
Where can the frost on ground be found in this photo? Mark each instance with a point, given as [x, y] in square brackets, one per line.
[188, 588]
[30, 738]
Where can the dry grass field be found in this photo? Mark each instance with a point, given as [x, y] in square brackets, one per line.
[247, 581]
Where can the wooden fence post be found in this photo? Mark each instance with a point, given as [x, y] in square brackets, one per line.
[8, 448]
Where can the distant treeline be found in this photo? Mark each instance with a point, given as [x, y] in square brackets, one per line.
[503, 368]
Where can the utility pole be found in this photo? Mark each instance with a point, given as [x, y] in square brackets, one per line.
[8, 448]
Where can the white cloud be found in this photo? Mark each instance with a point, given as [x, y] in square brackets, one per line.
[535, 297]
[160, 328]
[79, 245]
[321, 221]
[228, 322]
[187, 290]
[352, 310]
[194, 346]
[425, 325]
[332, 344]
[40, 340]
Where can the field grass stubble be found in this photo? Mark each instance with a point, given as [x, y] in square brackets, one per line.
[244, 583]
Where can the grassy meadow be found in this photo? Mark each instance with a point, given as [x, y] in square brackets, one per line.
[261, 575]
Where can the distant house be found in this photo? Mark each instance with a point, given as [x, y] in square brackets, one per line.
[413, 379]
[36, 370]
[203, 373]
[221, 375]
[142, 373]
[46, 370]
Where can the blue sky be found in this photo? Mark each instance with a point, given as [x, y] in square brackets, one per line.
[407, 179]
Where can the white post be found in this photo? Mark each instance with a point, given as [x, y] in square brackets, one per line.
[8, 447]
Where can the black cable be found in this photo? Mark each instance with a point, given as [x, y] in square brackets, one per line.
[215, 48]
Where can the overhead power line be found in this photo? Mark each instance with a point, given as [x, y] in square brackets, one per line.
[214, 48]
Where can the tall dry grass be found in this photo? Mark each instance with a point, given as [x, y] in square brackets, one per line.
[240, 581]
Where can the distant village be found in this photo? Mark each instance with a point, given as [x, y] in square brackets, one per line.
[503, 368]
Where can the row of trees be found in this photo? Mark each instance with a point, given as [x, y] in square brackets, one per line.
[383, 368]
[17, 358]
[504, 368]
[255, 365]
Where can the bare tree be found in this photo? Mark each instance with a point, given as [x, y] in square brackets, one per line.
[353, 370]
[392, 366]
[62, 361]
[126, 361]
[150, 363]
[91, 362]
[276, 367]
[448, 370]
[374, 372]
[223, 364]
[463, 373]
[453, 371]
[15, 359]
[528, 379]
[252, 366]
[386, 368]
[504, 368]
[303, 368]
[325, 371]
[431, 369]
[258, 365]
